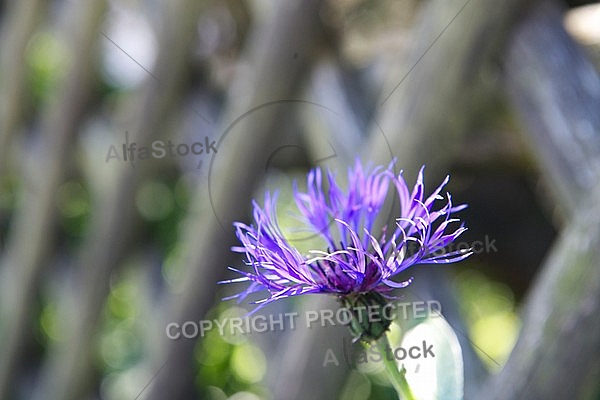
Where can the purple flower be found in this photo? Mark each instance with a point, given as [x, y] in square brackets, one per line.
[354, 260]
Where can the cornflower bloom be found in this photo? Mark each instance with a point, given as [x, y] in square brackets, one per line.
[355, 264]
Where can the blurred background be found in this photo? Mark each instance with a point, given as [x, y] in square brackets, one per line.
[100, 252]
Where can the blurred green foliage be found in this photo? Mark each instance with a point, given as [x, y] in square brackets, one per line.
[73, 202]
[489, 310]
[231, 363]
[46, 60]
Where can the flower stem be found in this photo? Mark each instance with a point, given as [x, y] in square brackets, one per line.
[397, 378]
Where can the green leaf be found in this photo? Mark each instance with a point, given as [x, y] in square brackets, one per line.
[441, 376]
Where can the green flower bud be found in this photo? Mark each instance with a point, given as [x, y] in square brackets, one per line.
[368, 322]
